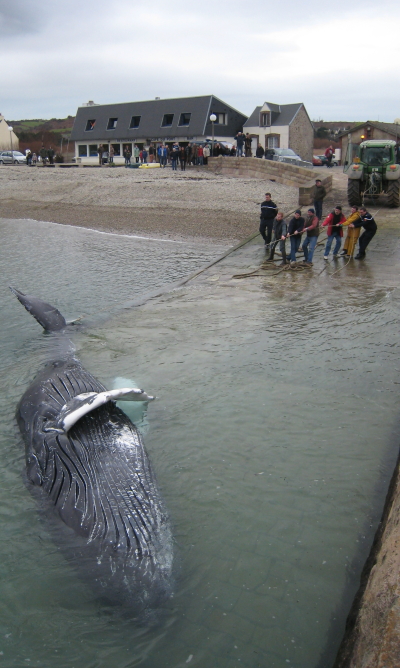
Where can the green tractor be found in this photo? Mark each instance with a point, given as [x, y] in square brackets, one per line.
[373, 169]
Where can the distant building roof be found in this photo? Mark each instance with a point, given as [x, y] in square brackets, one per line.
[283, 114]
[175, 117]
[390, 128]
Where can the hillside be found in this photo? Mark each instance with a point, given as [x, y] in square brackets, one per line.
[41, 125]
[38, 132]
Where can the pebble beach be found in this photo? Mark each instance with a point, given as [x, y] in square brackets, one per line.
[194, 204]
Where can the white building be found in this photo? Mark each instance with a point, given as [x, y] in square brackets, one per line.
[8, 139]
[282, 126]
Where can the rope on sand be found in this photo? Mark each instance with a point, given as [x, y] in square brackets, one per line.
[269, 264]
[345, 265]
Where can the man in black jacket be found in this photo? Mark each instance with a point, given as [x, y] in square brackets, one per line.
[295, 229]
[280, 233]
[368, 223]
[259, 151]
[268, 213]
[239, 144]
[319, 193]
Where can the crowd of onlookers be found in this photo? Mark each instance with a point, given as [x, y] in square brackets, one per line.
[196, 153]
[182, 154]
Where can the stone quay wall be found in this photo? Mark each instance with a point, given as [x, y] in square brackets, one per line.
[302, 178]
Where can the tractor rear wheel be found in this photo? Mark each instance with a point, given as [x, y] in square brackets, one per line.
[353, 192]
[393, 194]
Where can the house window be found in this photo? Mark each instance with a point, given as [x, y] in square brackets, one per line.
[93, 150]
[90, 125]
[266, 119]
[82, 150]
[167, 120]
[184, 119]
[112, 123]
[273, 141]
[222, 119]
[117, 149]
[135, 122]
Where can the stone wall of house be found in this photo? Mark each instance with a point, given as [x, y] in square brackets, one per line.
[301, 135]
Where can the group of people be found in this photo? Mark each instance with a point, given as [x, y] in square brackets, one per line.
[243, 145]
[45, 155]
[190, 154]
[275, 230]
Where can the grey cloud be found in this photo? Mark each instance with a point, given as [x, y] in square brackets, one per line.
[18, 18]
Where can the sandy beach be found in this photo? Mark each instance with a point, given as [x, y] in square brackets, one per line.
[156, 202]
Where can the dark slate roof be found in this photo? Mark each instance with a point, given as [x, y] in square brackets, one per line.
[254, 118]
[274, 107]
[286, 115]
[152, 113]
[390, 128]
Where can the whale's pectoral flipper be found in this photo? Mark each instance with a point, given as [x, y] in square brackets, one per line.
[84, 403]
[48, 316]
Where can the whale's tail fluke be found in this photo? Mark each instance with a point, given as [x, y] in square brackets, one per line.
[46, 315]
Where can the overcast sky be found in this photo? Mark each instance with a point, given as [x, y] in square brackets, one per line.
[342, 59]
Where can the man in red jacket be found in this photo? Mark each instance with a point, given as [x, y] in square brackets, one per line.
[334, 222]
[329, 155]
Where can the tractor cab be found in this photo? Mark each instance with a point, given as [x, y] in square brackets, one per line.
[373, 169]
[376, 156]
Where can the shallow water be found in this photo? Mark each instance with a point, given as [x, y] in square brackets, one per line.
[273, 438]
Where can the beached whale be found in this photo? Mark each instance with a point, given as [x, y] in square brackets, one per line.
[86, 462]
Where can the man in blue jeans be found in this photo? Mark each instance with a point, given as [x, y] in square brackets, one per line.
[239, 144]
[312, 229]
[295, 229]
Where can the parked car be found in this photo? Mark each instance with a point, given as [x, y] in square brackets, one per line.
[324, 160]
[286, 155]
[12, 157]
[226, 145]
[316, 161]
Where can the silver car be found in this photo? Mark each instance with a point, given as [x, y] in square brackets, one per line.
[286, 155]
[12, 157]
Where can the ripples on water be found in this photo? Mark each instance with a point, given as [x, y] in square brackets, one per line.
[273, 438]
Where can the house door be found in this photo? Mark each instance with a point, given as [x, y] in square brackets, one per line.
[254, 144]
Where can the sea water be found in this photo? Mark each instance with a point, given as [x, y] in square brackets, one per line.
[273, 437]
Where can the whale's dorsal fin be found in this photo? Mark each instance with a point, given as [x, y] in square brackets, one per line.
[84, 403]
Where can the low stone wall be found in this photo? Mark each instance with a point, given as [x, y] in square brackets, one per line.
[302, 178]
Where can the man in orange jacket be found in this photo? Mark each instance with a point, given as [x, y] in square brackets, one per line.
[352, 233]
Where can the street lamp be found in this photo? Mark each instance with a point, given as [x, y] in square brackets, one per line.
[213, 118]
[12, 152]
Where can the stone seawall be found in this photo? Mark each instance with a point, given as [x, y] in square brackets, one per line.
[302, 178]
[372, 636]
